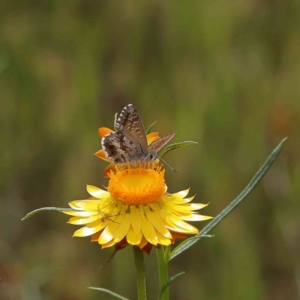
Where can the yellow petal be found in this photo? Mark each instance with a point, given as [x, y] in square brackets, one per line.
[185, 208]
[163, 240]
[189, 199]
[136, 220]
[113, 225]
[184, 227]
[90, 229]
[196, 206]
[181, 194]
[133, 238]
[178, 224]
[195, 217]
[82, 221]
[89, 205]
[106, 236]
[182, 230]
[155, 207]
[149, 232]
[96, 192]
[121, 232]
[176, 200]
[157, 223]
[80, 213]
[107, 245]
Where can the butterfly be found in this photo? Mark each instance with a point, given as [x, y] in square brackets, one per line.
[129, 142]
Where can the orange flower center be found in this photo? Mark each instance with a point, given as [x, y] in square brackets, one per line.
[140, 185]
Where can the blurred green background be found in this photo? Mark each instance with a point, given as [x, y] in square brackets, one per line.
[225, 74]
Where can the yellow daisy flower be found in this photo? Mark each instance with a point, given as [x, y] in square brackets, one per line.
[151, 137]
[136, 209]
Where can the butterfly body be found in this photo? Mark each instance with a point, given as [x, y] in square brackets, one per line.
[129, 142]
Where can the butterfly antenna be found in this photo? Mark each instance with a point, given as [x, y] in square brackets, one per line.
[167, 164]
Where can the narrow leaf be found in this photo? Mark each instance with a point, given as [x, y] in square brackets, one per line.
[115, 120]
[166, 285]
[108, 292]
[248, 189]
[150, 127]
[176, 146]
[59, 209]
[183, 243]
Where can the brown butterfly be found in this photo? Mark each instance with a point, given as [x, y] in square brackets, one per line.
[129, 143]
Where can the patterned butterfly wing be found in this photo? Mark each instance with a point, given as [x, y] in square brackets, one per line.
[160, 143]
[118, 148]
[130, 124]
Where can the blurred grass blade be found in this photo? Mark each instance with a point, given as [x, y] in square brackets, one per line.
[115, 120]
[248, 189]
[108, 292]
[150, 127]
[176, 146]
[166, 285]
[59, 209]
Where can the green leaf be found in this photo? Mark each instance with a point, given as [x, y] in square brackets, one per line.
[115, 120]
[166, 285]
[210, 236]
[176, 146]
[183, 243]
[248, 189]
[150, 127]
[59, 209]
[108, 292]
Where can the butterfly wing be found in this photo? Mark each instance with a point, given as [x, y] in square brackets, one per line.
[129, 142]
[130, 124]
[118, 148]
[160, 143]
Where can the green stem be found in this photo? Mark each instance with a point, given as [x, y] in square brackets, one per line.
[140, 273]
[162, 271]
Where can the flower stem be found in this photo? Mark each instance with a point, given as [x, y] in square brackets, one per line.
[162, 271]
[140, 273]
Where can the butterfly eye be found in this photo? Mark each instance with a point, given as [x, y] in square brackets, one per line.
[151, 156]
